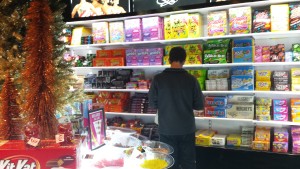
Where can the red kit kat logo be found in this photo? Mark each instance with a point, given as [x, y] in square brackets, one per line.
[19, 162]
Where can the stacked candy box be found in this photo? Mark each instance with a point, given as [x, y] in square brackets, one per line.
[294, 16]
[261, 20]
[179, 26]
[217, 23]
[116, 32]
[195, 25]
[240, 20]
[133, 30]
[263, 108]
[152, 28]
[280, 20]
[242, 78]
[100, 32]
[262, 139]
[280, 110]
[281, 140]
[217, 51]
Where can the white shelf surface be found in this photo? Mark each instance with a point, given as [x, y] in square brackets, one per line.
[229, 120]
[266, 35]
[130, 114]
[284, 93]
[199, 10]
[117, 90]
[191, 66]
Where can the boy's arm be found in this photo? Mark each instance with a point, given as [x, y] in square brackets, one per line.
[153, 94]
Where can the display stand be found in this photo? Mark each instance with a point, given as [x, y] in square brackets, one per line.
[14, 154]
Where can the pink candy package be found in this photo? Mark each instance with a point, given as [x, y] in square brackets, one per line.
[131, 57]
[152, 28]
[133, 30]
[281, 117]
[280, 110]
[142, 57]
[258, 54]
[155, 56]
[280, 102]
[281, 113]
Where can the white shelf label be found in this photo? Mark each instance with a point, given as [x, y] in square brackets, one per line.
[34, 141]
[59, 138]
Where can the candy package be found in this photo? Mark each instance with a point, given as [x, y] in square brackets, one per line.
[261, 20]
[294, 16]
[195, 25]
[217, 23]
[240, 20]
[280, 20]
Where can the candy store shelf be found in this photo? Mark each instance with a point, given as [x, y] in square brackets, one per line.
[117, 90]
[130, 114]
[275, 123]
[191, 66]
[276, 93]
[255, 122]
[267, 35]
[204, 11]
[223, 119]
[248, 149]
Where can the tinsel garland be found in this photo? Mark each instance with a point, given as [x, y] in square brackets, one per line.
[39, 68]
[9, 107]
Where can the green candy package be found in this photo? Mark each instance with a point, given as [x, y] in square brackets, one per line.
[215, 56]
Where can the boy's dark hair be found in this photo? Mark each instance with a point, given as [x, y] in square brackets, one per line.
[177, 54]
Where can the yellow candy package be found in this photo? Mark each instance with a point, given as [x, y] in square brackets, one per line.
[263, 75]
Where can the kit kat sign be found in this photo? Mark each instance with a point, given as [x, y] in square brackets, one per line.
[20, 162]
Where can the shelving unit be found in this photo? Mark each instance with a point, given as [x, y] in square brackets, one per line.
[224, 124]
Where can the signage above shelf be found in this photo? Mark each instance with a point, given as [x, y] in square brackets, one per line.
[201, 8]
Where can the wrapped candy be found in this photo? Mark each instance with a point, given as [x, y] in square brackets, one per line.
[32, 135]
[65, 134]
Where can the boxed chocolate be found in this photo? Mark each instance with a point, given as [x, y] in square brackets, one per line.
[240, 99]
[215, 101]
[240, 111]
[14, 154]
[294, 16]
[277, 53]
[261, 20]
[219, 112]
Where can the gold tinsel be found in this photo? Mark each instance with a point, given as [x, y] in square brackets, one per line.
[39, 70]
[9, 108]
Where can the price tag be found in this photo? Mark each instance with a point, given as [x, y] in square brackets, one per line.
[34, 141]
[59, 138]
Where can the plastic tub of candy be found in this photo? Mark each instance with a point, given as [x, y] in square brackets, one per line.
[140, 137]
[112, 131]
[157, 161]
[107, 158]
[157, 146]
